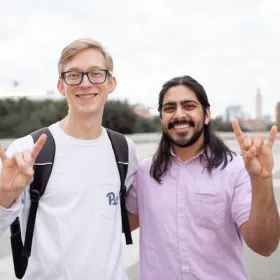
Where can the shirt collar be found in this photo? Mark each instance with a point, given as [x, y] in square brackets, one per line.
[202, 152]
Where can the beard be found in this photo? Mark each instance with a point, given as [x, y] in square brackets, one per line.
[183, 142]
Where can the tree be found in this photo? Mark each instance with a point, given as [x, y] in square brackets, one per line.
[22, 116]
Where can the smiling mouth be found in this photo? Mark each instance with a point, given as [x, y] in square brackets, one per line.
[86, 96]
[181, 126]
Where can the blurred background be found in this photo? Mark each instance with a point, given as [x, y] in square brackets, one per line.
[230, 47]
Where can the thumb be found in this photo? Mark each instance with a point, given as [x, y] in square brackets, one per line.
[252, 152]
[249, 155]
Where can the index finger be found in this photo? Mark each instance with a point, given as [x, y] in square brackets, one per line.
[272, 137]
[237, 131]
[3, 155]
[38, 146]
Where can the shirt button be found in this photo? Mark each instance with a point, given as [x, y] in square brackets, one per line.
[181, 219]
[183, 166]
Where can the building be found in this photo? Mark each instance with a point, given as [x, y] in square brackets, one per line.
[142, 111]
[260, 120]
[278, 114]
[267, 120]
[234, 112]
[259, 114]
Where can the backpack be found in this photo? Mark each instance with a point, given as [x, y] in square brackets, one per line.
[42, 171]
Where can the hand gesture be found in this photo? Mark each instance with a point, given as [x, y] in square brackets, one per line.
[257, 155]
[17, 171]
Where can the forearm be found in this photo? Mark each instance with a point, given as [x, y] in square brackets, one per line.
[133, 221]
[263, 230]
[7, 198]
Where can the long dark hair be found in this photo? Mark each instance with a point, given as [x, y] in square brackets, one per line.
[216, 152]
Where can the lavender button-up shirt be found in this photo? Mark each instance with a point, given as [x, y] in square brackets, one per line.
[189, 224]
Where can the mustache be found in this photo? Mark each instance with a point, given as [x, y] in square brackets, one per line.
[177, 122]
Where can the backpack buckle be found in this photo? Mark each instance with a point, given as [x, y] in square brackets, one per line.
[35, 196]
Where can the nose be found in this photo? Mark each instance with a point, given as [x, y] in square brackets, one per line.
[85, 82]
[179, 113]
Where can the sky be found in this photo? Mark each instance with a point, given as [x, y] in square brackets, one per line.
[230, 47]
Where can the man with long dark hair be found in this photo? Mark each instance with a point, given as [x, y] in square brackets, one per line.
[196, 199]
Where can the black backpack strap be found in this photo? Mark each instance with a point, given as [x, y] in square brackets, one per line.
[42, 171]
[120, 148]
[20, 262]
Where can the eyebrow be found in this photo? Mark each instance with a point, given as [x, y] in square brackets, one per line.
[89, 69]
[173, 103]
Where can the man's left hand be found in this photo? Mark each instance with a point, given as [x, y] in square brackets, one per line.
[256, 153]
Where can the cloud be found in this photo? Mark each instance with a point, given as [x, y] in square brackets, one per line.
[232, 48]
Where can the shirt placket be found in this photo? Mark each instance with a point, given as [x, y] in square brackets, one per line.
[182, 222]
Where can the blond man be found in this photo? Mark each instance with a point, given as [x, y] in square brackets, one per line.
[77, 234]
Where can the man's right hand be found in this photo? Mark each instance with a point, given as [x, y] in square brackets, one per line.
[17, 172]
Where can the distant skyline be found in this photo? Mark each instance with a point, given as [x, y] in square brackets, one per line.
[231, 48]
[239, 111]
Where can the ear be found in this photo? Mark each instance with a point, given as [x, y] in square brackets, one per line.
[112, 84]
[60, 87]
[208, 116]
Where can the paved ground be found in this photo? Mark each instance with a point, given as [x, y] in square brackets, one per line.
[259, 268]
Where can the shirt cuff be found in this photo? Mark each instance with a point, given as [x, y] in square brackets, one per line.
[242, 218]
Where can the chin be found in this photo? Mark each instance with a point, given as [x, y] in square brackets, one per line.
[91, 112]
[184, 138]
[90, 108]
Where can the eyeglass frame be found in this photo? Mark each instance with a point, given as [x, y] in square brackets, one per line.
[62, 76]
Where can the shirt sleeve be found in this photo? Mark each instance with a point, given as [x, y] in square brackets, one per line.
[242, 197]
[132, 199]
[8, 215]
[132, 165]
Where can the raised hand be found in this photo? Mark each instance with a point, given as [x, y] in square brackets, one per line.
[256, 153]
[17, 171]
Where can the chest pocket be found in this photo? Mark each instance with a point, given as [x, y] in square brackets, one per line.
[110, 199]
[208, 203]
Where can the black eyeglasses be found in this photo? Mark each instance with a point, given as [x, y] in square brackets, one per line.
[97, 76]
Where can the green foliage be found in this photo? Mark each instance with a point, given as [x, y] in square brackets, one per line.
[20, 117]
[220, 125]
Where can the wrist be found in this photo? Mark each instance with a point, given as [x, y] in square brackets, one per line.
[257, 178]
[262, 186]
[7, 199]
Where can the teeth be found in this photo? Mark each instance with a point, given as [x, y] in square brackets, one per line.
[86, 96]
[182, 126]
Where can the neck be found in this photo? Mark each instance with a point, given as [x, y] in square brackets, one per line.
[189, 152]
[86, 128]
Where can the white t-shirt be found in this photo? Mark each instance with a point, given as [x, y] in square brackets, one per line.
[78, 232]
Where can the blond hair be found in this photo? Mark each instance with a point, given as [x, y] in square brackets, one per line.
[79, 45]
